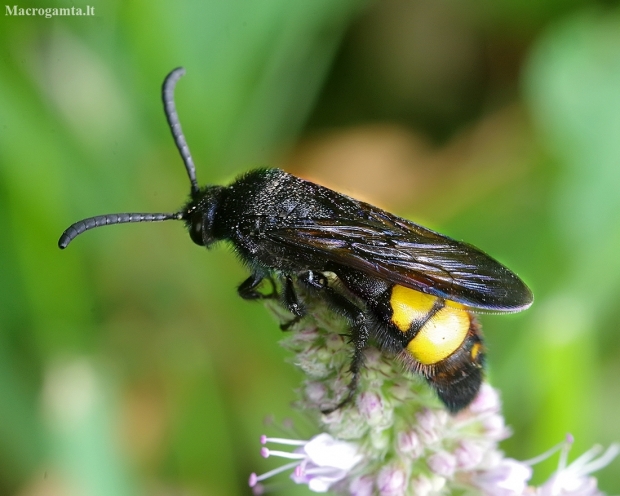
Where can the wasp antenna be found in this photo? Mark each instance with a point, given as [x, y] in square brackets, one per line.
[81, 226]
[175, 126]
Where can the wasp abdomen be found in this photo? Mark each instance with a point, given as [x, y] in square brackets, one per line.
[435, 327]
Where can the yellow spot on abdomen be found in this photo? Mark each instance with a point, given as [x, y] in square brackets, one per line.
[441, 336]
[408, 306]
[475, 350]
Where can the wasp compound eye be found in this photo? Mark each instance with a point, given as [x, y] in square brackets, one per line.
[195, 228]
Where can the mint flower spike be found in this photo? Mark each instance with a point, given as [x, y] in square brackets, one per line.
[395, 438]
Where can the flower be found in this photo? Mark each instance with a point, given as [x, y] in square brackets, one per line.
[320, 462]
[469, 454]
[442, 463]
[574, 479]
[508, 478]
[392, 481]
[362, 486]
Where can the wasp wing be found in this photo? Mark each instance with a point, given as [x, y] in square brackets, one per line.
[383, 245]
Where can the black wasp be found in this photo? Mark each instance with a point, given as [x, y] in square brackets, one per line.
[407, 288]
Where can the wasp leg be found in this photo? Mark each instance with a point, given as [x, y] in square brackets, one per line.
[289, 295]
[314, 280]
[359, 329]
[359, 338]
[247, 289]
[292, 303]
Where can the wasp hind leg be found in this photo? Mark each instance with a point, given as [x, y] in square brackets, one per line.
[357, 361]
[359, 329]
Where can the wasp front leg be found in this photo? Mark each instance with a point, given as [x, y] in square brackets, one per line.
[248, 288]
[311, 279]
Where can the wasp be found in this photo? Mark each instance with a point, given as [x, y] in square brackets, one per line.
[406, 288]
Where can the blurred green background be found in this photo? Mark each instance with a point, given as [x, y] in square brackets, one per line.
[129, 366]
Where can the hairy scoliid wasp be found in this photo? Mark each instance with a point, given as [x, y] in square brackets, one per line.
[406, 288]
